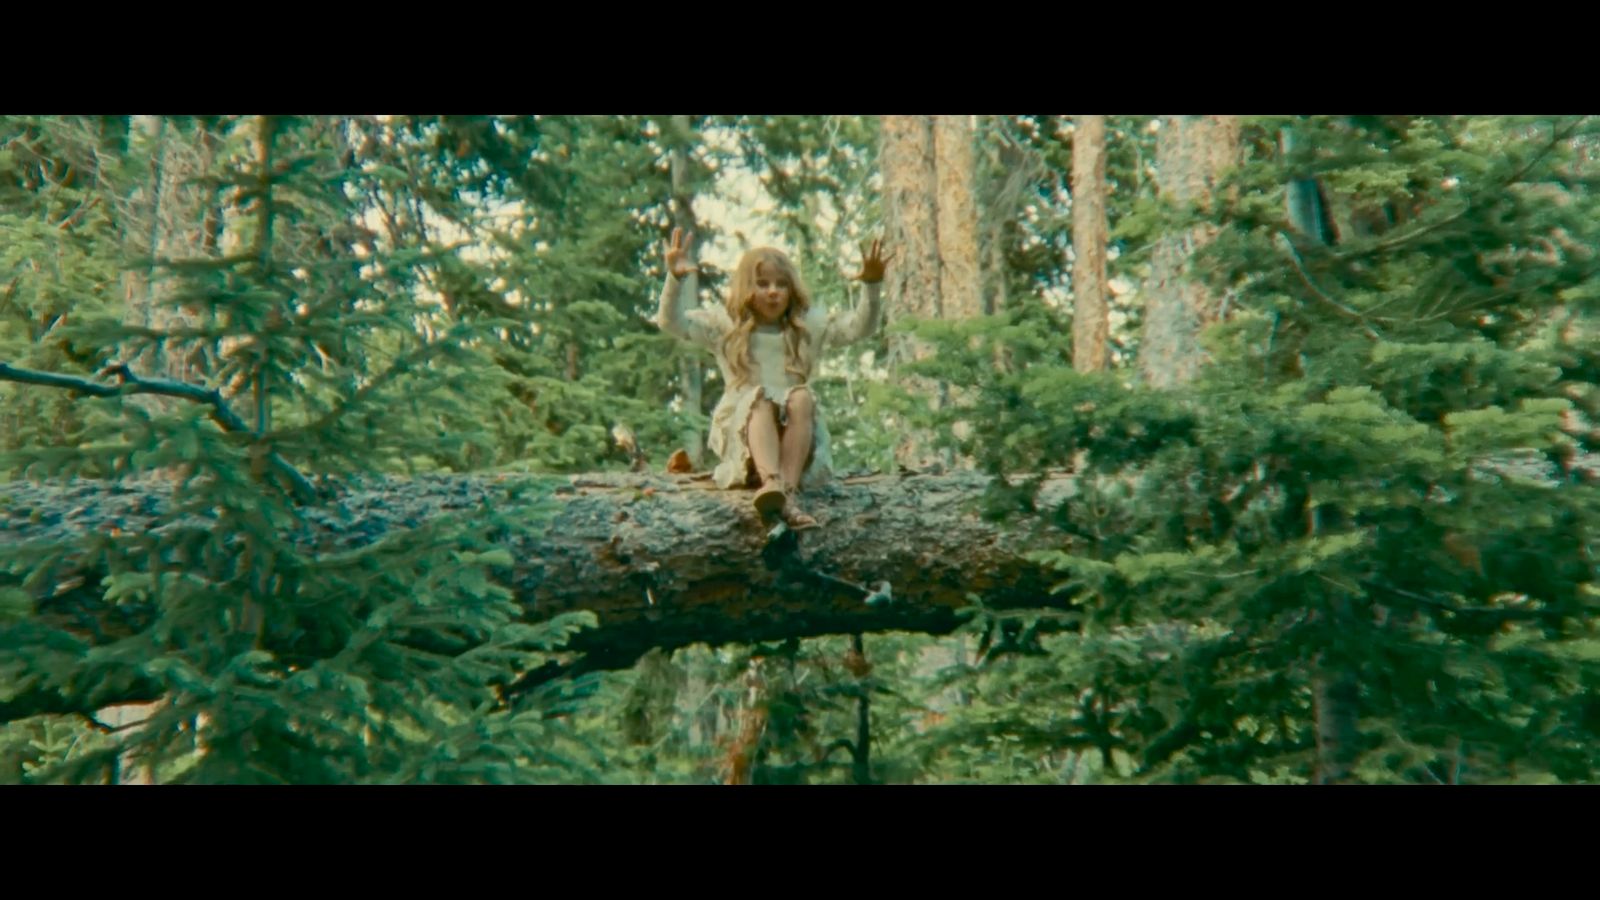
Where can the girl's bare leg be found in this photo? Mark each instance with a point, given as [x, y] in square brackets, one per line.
[796, 448]
[796, 452]
[762, 433]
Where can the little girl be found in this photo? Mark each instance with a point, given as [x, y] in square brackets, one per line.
[766, 429]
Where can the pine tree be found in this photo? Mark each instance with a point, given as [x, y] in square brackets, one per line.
[1371, 502]
[276, 661]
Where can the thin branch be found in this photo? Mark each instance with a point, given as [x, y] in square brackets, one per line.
[103, 728]
[1397, 240]
[11, 291]
[226, 418]
[1557, 136]
[400, 366]
[1499, 612]
[1294, 257]
[835, 747]
[73, 218]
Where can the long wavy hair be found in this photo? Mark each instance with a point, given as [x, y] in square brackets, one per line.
[741, 309]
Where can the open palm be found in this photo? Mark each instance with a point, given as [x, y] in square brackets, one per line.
[873, 262]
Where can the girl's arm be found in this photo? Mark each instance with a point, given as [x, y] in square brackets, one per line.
[693, 325]
[696, 325]
[862, 321]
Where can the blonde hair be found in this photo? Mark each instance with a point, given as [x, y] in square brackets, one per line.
[740, 305]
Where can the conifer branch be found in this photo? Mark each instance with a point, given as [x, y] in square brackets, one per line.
[93, 722]
[131, 383]
[835, 747]
[1403, 238]
[1294, 257]
[1498, 612]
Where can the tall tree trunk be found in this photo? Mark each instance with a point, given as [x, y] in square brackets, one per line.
[167, 219]
[170, 217]
[691, 370]
[1090, 328]
[910, 191]
[1012, 173]
[1191, 153]
[956, 215]
[1334, 696]
[911, 215]
[1335, 691]
[861, 747]
[740, 764]
[931, 211]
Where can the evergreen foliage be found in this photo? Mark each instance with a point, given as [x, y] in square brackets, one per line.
[1358, 547]
[1373, 493]
[277, 661]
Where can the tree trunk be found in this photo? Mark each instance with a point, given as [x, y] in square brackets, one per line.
[1191, 153]
[911, 215]
[167, 219]
[691, 370]
[1090, 327]
[955, 174]
[744, 750]
[861, 747]
[171, 218]
[1335, 696]
[930, 205]
[910, 191]
[679, 565]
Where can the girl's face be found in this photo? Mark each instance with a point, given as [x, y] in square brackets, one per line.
[772, 295]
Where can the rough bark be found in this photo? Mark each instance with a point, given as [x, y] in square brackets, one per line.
[1191, 153]
[930, 203]
[166, 218]
[1090, 324]
[956, 215]
[662, 562]
[910, 189]
[740, 764]
[912, 289]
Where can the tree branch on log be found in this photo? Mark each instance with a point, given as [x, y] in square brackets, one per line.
[130, 383]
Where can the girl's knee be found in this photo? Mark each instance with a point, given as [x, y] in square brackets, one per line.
[763, 407]
[801, 402]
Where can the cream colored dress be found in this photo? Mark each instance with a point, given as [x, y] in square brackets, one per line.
[705, 326]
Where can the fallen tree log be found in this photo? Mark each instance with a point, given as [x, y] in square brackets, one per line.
[662, 561]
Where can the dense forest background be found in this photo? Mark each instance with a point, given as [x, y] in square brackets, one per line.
[1325, 387]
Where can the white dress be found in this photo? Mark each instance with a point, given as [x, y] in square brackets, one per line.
[705, 326]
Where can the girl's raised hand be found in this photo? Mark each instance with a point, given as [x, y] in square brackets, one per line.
[873, 262]
[677, 252]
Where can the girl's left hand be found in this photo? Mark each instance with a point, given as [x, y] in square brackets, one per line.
[677, 254]
[873, 262]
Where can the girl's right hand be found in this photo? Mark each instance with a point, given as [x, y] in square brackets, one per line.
[677, 251]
